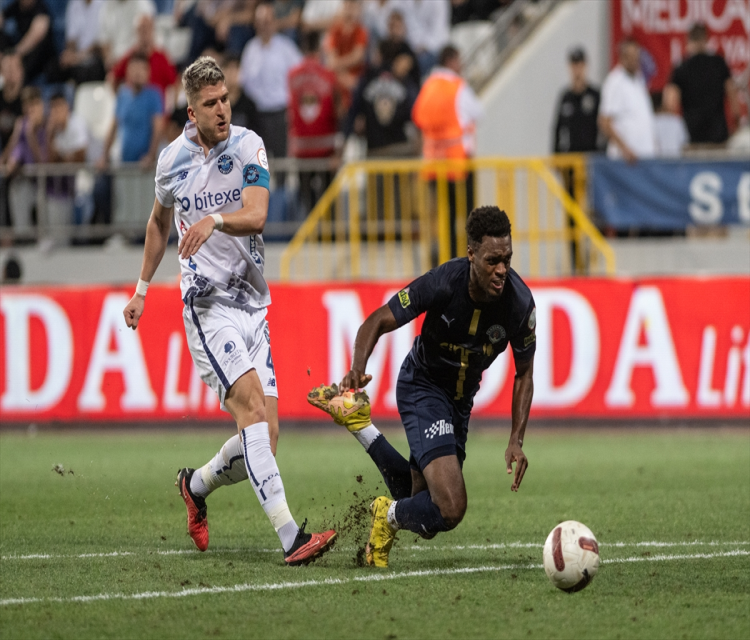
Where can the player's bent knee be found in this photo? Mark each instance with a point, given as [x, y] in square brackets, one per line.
[453, 511]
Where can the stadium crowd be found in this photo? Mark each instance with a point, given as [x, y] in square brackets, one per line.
[305, 75]
[353, 66]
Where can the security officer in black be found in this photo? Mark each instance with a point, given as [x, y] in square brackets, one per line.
[575, 126]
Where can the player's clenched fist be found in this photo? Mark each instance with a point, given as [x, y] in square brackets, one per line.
[354, 380]
[134, 310]
[195, 236]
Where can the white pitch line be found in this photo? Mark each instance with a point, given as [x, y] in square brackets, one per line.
[375, 577]
[415, 547]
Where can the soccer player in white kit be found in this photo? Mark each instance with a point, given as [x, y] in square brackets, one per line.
[213, 180]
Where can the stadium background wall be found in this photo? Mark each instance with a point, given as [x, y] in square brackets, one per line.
[667, 347]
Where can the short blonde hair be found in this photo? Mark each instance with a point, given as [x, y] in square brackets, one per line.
[204, 72]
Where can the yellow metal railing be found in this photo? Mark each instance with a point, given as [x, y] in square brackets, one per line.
[397, 218]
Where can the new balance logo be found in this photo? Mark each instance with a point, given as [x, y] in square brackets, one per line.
[439, 428]
[448, 322]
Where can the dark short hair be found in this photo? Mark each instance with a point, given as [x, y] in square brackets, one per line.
[698, 32]
[447, 53]
[310, 42]
[138, 57]
[577, 54]
[232, 58]
[58, 95]
[487, 221]
[30, 94]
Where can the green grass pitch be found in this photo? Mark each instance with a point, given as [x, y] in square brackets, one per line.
[671, 512]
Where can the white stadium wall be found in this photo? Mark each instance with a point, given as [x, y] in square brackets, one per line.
[519, 103]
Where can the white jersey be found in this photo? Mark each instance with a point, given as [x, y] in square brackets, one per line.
[227, 268]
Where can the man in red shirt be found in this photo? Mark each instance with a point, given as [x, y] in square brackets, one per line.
[346, 46]
[314, 110]
[163, 72]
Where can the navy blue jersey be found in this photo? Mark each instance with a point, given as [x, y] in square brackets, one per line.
[460, 337]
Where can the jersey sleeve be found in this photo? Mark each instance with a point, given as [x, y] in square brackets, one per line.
[163, 193]
[523, 341]
[421, 295]
[254, 162]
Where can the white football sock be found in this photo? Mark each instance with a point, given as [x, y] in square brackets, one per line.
[266, 481]
[225, 468]
[391, 516]
[366, 436]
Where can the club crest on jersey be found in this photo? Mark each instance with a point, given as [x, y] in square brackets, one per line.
[229, 347]
[226, 164]
[250, 174]
[532, 319]
[403, 297]
[495, 333]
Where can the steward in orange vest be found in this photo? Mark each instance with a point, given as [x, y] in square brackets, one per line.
[446, 111]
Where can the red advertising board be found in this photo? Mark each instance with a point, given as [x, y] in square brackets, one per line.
[661, 27]
[605, 348]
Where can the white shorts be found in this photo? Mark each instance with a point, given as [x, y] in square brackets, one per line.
[226, 342]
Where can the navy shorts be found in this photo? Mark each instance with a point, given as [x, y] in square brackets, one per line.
[435, 426]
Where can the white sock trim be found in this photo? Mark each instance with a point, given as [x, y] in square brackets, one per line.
[366, 436]
[198, 485]
[391, 516]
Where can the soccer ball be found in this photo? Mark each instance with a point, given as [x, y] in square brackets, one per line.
[571, 556]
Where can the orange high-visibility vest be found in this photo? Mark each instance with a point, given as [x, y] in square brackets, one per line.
[435, 114]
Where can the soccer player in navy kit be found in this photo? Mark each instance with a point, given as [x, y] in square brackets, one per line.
[474, 308]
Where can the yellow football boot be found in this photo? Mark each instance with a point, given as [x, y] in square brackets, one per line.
[350, 409]
[320, 396]
[382, 534]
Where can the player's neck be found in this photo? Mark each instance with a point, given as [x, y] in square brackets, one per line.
[203, 142]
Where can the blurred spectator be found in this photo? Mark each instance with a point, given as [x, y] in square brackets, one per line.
[81, 61]
[67, 140]
[385, 98]
[12, 272]
[318, 15]
[314, 109]
[429, 30]
[465, 10]
[701, 83]
[288, 17]
[671, 132]
[266, 62]
[446, 112]
[626, 117]
[578, 108]
[138, 116]
[345, 46]
[244, 113]
[400, 47]
[117, 27]
[234, 25]
[315, 103]
[11, 70]
[375, 15]
[28, 146]
[162, 72]
[34, 41]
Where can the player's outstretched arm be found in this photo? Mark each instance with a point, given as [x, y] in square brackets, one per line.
[378, 322]
[247, 221]
[157, 236]
[523, 392]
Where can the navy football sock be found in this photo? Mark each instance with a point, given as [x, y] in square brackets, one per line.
[420, 515]
[393, 466]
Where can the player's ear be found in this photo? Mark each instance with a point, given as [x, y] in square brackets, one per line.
[191, 114]
[470, 253]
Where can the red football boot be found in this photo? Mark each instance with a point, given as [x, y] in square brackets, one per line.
[197, 512]
[309, 546]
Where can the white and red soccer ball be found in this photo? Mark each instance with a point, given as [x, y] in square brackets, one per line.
[571, 556]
